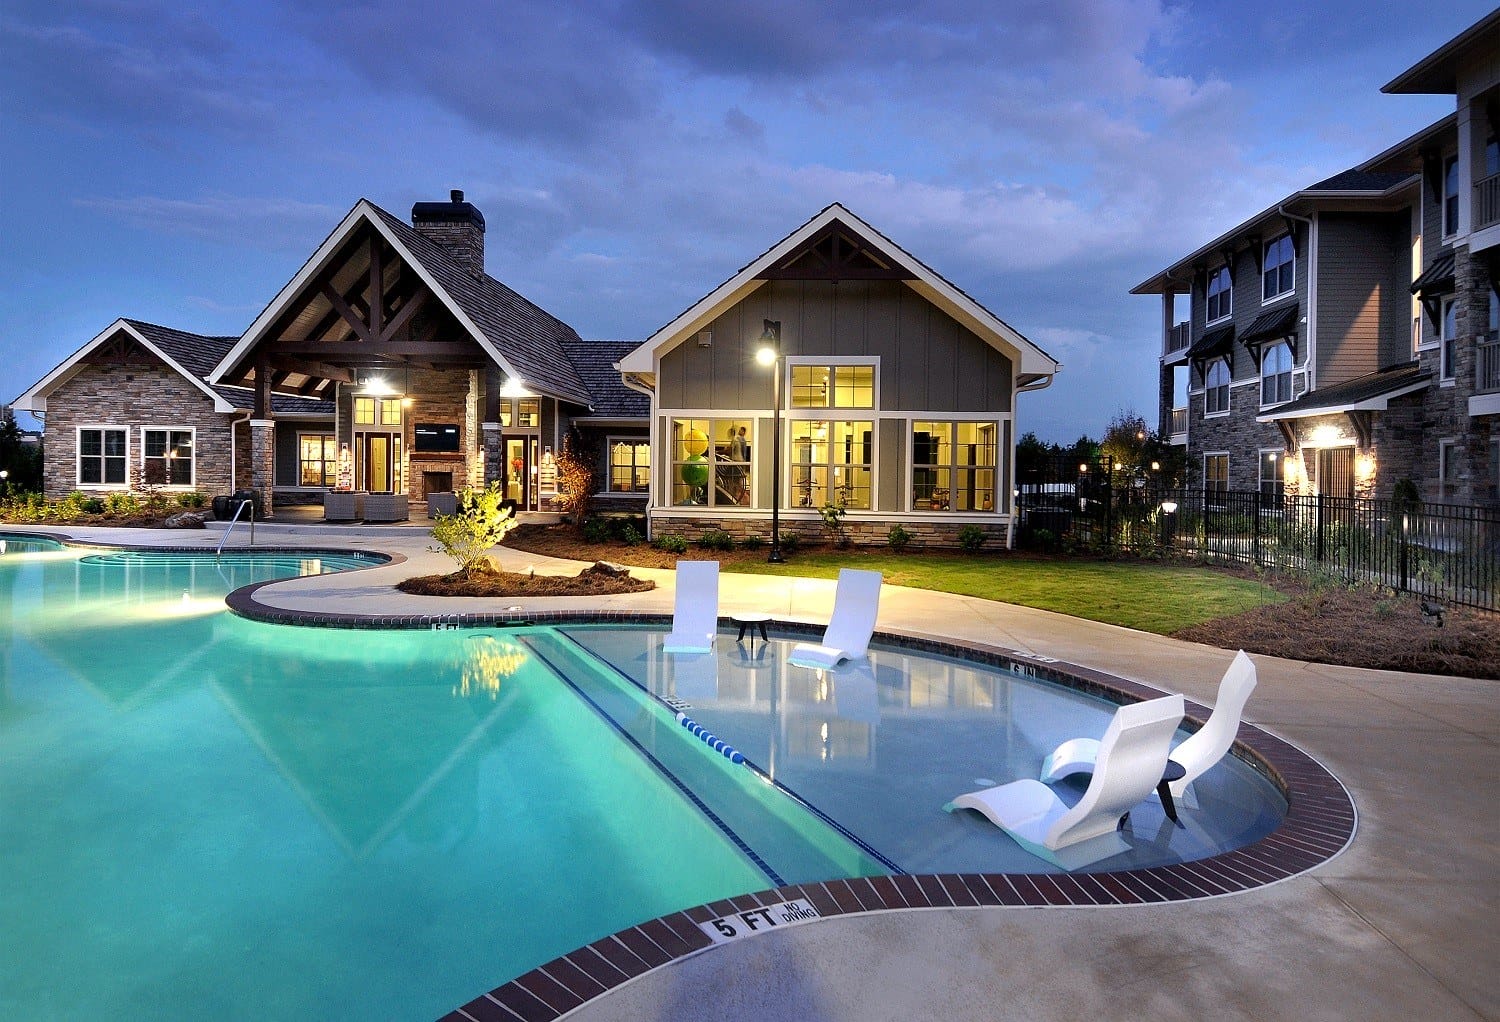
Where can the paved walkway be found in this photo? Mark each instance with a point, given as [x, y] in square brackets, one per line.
[1401, 926]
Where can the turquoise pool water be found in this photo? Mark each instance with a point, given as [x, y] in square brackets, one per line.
[202, 814]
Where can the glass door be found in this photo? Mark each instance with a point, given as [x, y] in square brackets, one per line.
[518, 468]
[377, 476]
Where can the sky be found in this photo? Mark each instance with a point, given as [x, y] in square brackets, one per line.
[177, 163]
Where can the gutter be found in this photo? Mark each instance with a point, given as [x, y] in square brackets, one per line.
[1311, 362]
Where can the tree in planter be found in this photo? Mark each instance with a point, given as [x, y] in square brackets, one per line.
[478, 525]
[576, 483]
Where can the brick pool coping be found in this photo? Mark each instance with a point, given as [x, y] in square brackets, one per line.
[1319, 823]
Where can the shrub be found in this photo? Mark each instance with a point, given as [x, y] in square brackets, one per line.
[716, 539]
[790, 541]
[671, 544]
[631, 536]
[121, 502]
[833, 524]
[620, 524]
[479, 524]
[971, 538]
[92, 506]
[753, 542]
[597, 530]
[897, 538]
[193, 498]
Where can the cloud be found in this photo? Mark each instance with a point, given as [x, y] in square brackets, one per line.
[270, 223]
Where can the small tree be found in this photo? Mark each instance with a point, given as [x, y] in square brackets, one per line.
[833, 524]
[575, 476]
[477, 526]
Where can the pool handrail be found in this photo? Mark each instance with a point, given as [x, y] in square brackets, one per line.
[246, 502]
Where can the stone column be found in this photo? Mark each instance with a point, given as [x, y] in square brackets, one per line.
[494, 454]
[473, 440]
[263, 462]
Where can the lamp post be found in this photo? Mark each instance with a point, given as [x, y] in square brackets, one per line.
[769, 354]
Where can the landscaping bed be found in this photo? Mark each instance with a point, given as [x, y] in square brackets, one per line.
[595, 580]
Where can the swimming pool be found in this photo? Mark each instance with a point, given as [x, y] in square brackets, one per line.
[204, 813]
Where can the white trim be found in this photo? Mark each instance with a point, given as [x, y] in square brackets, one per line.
[1446, 447]
[969, 313]
[1203, 465]
[1281, 456]
[1373, 404]
[1207, 282]
[1289, 292]
[169, 430]
[299, 484]
[1447, 374]
[35, 399]
[635, 440]
[78, 456]
[831, 362]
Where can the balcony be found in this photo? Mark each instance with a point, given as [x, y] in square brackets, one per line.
[1177, 340]
[1487, 202]
[1178, 426]
[1487, 366]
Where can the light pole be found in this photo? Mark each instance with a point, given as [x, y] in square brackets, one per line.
[769, 354]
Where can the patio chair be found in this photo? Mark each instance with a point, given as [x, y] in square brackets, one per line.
[1132, 757]
[695, 608]
[856, 602]
[1200, 751]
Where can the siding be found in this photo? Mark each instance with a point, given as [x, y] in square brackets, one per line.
[1362, 306]
[1246, 304]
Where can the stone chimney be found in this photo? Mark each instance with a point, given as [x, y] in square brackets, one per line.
[457, 226]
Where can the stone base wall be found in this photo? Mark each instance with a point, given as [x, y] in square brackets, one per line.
[925, 533]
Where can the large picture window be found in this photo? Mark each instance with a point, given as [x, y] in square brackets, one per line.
[102, 454]
[1279, 274]
[317, 459]
[1276, 374]
[1216, 384]
[710, 462]
[832, 386]
[954, 466]
[1220, 294]
[831, 463]
[1215, 476]
[167, 457]
[629, 465]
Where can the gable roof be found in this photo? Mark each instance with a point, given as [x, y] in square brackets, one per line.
[595, 362]
[524, 340]
[1031, 360]
[1437, 73]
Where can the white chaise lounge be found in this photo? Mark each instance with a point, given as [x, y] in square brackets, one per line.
[856, 602]
[695, 608]
[1132, 756]
[1200, 751]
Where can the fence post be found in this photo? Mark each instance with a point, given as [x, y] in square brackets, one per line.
[1405, 521]
[1322, 516]
[1255, 541]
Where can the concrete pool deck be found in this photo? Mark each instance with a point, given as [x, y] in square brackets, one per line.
[1399, 926]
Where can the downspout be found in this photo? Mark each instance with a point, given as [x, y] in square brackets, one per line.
[1311, 361]
[1010, 483]
[234, 451]
[629, 380]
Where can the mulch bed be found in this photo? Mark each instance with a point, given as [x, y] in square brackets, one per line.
[595, 580]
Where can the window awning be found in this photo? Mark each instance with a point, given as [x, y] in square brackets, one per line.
[1214, 342]
[1437, 279]
[1276, 325]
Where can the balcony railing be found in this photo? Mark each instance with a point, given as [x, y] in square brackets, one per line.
[1177, 339]
[1487, 366]
[1179, 421]
[1487, 202]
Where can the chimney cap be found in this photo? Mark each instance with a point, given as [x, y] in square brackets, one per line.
[456, 211]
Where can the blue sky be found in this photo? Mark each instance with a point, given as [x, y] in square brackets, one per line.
[178, 165]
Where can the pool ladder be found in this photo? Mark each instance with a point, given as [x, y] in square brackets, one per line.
[235, 521]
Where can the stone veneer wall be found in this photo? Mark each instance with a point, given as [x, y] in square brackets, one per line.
[441, 395]
[925, 533]
[133, 396]
[1237, 433]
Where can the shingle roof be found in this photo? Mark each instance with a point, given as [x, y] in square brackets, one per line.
[1387, 381]
[529, 338]
[1277, 323]
[1359, 181]
[200, 353]
[1437, 278]
[594, 361]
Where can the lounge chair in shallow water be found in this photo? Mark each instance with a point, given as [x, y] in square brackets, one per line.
[695, 608]
[1200, 751]
[1132, 756]
[856, 602]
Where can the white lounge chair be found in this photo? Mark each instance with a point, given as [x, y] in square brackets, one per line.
[856, 602]
[1201, 750]
[695, 608]
[1132, 756]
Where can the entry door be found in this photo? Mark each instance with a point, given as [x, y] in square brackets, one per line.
[377, 463]
[1336, 471]
[520, 471]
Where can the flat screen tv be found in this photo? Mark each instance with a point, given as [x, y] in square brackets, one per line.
[436, 436]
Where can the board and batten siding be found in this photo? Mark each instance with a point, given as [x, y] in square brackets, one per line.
[1363, 307]
[928, 361]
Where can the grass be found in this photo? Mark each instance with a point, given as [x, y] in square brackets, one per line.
[1148, 597]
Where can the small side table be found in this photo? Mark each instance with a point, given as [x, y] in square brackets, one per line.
[1173, 771]
[752, 621]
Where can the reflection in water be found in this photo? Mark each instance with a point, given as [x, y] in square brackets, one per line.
[488, 660]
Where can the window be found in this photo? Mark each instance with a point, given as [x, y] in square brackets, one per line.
[629, 465]
[167, 457]
[102, 455]
[1220, 294]
[1448, 339]
[364, 411]
[317, 459]
[831, 463]
[1491, 156]
[832, 386]
[529, 412]
[710, 462]
[1279, 269]
[1450, 196]
[953, 466]
[1215, 473]
[1276, 374]
[390, 412]
[1272, 475]
[1216, 382]
[1448, 470]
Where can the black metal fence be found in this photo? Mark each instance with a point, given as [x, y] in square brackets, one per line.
[1447, 552]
